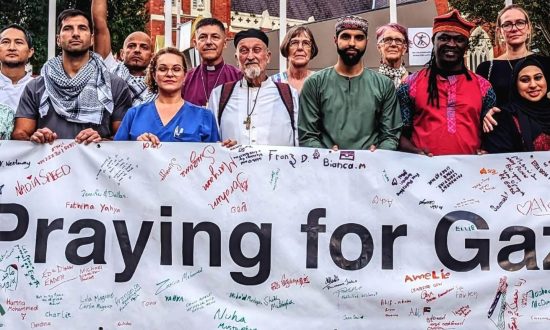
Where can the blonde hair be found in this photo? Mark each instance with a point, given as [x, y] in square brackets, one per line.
[499, 38]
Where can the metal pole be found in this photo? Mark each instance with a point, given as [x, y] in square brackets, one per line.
[51, 28]
[508, 2]
[393, 11]
[178, 22]
[282, 33]
[167, 23]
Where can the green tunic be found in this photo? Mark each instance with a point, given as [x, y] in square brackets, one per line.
[352, 113]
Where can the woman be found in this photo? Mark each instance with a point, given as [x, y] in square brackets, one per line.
[168, 118]
[513, 34]
[523, 124]
[393, 43]
[298, 48]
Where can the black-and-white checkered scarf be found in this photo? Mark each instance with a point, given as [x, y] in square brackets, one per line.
[136, 84]
[81, 99]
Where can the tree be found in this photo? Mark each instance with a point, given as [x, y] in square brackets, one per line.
[125, 16]
[486, 12]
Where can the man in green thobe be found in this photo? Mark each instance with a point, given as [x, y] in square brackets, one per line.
[348, 106]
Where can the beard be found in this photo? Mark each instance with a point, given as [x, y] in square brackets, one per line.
[350, 60]
[76, 53]
[252, 71]
[14, 64]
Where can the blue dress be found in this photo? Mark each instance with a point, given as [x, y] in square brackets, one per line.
[190, 124]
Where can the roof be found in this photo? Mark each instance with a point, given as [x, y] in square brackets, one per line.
[319, 9]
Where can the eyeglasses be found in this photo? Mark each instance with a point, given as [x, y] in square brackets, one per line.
[176, 70]
[306, 44]
[508, 26]
[389, 40]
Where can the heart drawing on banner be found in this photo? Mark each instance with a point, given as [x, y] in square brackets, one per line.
[524, 208]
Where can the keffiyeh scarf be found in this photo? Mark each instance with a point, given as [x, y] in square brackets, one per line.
[80, 99]
[136, 84]
[394, 74]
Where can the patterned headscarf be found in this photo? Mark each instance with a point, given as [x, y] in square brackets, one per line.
[82, 98]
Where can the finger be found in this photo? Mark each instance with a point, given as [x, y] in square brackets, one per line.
[94, 137]
[154, 139]
[372, 148]
[37, 137]
[335, 147]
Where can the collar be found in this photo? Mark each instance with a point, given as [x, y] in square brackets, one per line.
[214, 68]
[7, 81]
[265, 83]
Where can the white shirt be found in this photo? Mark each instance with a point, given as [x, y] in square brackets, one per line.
[270, 122]
[10, 93]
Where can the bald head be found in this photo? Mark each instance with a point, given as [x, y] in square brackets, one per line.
[137, 52]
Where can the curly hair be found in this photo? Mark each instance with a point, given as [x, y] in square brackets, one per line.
[152, 69]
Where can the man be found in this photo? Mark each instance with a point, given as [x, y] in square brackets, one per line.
[255, 110]
[210, 42]
[15, 52]
[75, 97]
[442, 104]
[348, 106]
[136, 54]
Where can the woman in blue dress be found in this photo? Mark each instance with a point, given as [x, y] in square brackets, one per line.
[168, 118]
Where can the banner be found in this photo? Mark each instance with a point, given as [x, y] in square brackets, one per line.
[125, 235]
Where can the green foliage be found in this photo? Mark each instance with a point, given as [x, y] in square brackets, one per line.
[125, 16]
[485, 12]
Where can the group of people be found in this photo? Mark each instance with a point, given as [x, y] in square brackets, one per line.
[442, 109]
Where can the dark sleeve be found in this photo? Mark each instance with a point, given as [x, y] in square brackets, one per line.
[123, 132]
[407, 108]
[483, 69]
[29, 102]
[505, 136]
[122, 98]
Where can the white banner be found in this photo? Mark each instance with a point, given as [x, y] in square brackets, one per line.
[194, 236]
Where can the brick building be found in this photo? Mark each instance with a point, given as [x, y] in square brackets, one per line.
[263, 14]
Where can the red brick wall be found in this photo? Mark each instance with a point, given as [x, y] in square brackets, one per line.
[221, 9]
[442, 6]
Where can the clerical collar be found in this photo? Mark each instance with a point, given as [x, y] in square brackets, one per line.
[213, 67]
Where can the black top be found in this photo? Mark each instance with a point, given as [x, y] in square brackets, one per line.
[501, 75]
[521, 121]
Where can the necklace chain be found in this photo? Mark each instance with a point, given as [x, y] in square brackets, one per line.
[215, 83]
[510, 63]
[249, 112]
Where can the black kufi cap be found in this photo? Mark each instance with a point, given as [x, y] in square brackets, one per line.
[251, 33]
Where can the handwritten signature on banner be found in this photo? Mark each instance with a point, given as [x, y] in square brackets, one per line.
[266, 237]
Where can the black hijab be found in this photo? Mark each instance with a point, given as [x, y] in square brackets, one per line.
[533, 117]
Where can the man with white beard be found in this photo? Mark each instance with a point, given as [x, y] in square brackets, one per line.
[255, 110]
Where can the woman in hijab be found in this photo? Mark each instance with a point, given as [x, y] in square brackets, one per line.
[523, 124]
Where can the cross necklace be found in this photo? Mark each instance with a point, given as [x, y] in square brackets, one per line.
[249, 113]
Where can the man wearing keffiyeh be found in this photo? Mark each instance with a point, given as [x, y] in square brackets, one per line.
[136, 54]
[76, 97]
